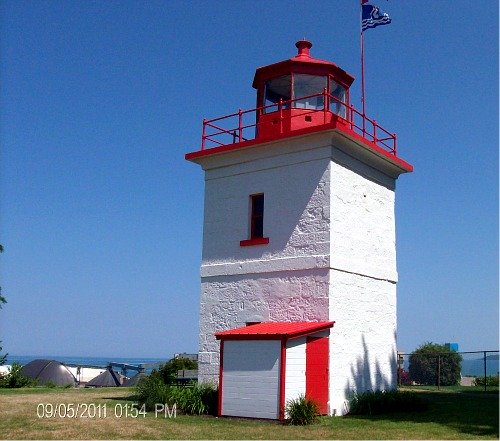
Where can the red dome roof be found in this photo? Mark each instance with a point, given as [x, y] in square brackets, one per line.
[302, 63]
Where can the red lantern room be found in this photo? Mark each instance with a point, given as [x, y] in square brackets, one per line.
[295, 97]
[300, 92]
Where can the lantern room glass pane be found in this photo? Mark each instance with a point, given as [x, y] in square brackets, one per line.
[305, 86]
[276, 89]
[338, 93]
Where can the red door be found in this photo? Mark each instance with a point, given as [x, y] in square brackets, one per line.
[317, 371]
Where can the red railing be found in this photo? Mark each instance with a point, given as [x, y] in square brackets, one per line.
[242, 125]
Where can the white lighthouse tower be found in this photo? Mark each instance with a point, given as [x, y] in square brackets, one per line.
[299, 224]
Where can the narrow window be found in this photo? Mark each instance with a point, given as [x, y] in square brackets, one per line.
[256, 222]
[257, 216]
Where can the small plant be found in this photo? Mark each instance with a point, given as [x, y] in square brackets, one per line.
[301, 411]
[198, 399]
[384, 402]
[195, 400]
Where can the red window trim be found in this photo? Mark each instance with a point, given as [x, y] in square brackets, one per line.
[256, 241]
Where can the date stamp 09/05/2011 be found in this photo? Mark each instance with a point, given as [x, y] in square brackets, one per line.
[101, 411]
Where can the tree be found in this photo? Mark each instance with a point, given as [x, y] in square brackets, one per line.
[168, 371]
[433, 364]
[3, 357]
[15, 378]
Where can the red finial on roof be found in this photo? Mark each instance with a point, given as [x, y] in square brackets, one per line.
[303, 46]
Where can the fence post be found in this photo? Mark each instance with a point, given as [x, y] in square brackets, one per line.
[484, 362]
[439, 372]
[400, 367]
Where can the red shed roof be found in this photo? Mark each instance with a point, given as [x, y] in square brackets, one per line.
[273, 330]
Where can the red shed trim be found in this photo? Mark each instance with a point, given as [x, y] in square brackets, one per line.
[274, 331]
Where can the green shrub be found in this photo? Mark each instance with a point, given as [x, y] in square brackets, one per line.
[151, 391]
[492, 380]
[195, 400]
[383, 402]
[15, 378]
[169, 370]
[301, 411]
[199, 399]
[431, 359]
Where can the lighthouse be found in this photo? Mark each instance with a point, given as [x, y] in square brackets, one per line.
[299, 244]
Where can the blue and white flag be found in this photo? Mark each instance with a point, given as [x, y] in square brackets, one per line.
[371, 17]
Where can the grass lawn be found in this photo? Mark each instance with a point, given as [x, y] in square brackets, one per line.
[451, 415]
[464, 389]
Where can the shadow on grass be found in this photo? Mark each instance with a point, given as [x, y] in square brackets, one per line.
[472, 414]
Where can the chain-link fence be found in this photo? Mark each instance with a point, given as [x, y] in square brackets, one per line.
[477, 370]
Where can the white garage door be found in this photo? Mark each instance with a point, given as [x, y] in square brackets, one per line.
[250, 381]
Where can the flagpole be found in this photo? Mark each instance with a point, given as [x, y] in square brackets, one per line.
[363, 103]
[372, 19]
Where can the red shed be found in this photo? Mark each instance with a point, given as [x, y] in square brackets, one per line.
[264, 365]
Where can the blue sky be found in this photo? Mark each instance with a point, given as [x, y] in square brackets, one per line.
[101, 216]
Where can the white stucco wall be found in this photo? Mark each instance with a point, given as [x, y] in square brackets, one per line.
[286, 280]
[296, 214]
[363, 342]
[362, 228]
[232, 301]
[363, 277]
